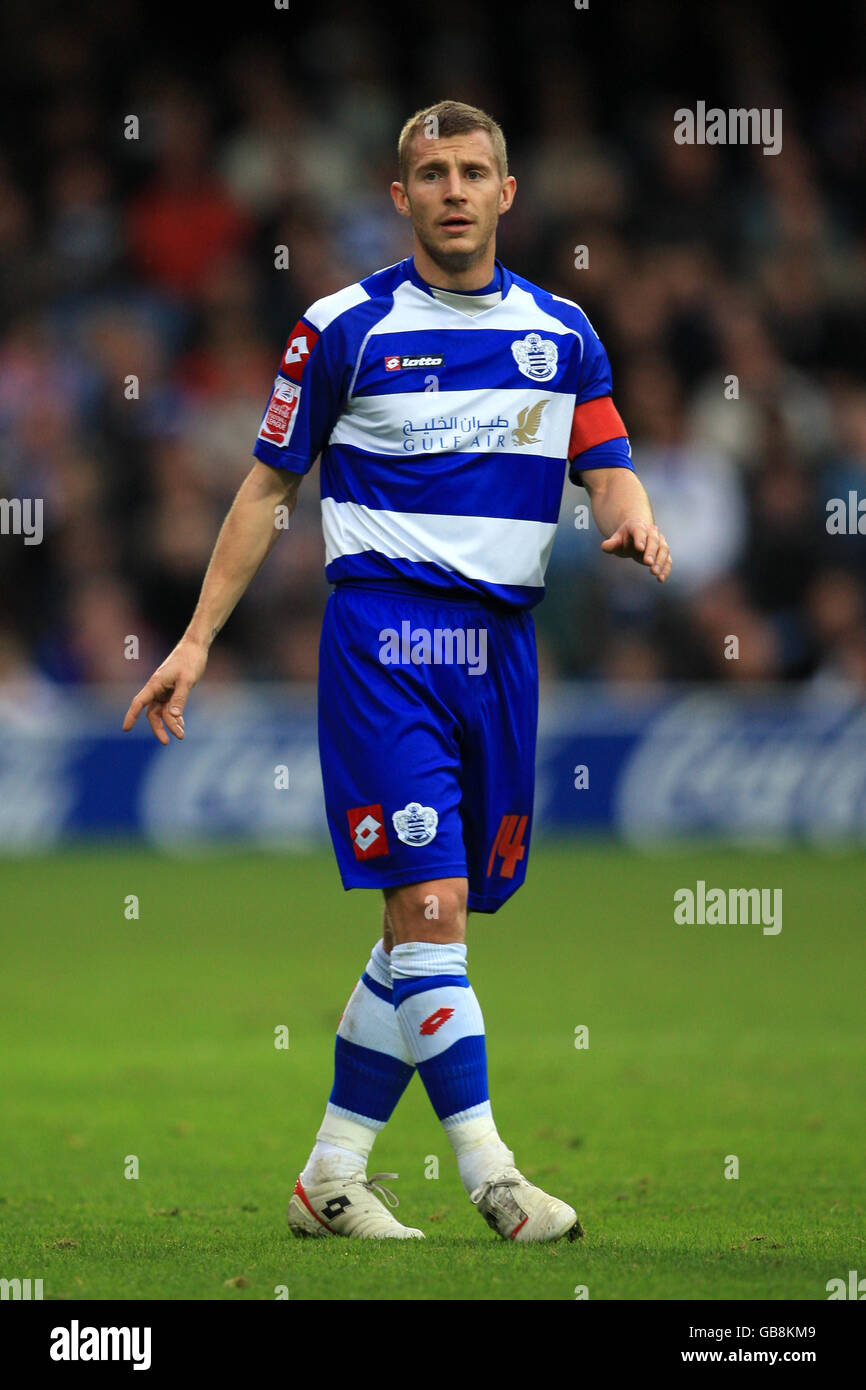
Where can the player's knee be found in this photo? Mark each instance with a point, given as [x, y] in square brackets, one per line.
[431, 911]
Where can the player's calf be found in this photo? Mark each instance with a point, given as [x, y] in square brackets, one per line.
[443, 1029]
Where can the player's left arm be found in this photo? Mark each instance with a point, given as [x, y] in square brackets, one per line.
[623, 513]
[599, 458]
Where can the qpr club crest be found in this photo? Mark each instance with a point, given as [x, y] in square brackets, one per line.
[415, 824]
[536, 357]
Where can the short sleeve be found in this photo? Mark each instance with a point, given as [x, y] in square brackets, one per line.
[599, 438]
[304, 403]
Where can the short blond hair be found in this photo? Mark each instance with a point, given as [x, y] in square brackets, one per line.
[450, 118]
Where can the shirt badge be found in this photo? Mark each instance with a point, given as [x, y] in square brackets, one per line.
[536, 357]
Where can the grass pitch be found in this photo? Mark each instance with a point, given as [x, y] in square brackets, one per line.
[153, 1039]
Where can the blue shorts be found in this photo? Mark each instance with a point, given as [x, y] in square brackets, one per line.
[428, 712]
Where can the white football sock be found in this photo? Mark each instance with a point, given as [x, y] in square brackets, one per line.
[341, 1149]
[480, 1153]
[362, 1098]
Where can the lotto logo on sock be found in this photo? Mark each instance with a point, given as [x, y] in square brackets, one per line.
[435, 1021]
[367, 828]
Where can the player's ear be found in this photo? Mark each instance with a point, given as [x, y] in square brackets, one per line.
[506, 196]
[401, 200]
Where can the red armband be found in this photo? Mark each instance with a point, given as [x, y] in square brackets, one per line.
[594, 422]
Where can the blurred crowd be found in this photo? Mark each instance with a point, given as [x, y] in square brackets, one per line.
[142, 319]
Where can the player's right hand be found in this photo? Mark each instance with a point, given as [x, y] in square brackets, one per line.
[165, 694]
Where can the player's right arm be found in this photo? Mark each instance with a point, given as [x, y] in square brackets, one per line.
[300, 414]
[245, 539]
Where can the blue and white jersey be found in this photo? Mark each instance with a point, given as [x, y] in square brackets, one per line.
[444, 431]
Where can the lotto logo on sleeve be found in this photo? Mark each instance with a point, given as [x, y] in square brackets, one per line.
[279, 419]
[301, 342]
[367, 828]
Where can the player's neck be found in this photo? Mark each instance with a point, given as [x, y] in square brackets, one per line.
[474, 277]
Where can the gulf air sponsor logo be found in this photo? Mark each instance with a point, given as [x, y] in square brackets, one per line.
[529, 424]
[396, 363]
[281, 413]
[367, 829]
[462, 432]
[471, 432]
[301, 342]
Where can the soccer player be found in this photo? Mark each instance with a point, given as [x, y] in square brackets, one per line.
[446, 396]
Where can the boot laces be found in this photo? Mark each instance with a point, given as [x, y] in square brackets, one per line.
[373, 1185]
[487, 1187]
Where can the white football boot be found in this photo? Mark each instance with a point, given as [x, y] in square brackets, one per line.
[517, 1210]
[347, 1207]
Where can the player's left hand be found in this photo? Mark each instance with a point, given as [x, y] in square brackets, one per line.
[644, 542]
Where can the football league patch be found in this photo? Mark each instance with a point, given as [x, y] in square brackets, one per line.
[281, 413]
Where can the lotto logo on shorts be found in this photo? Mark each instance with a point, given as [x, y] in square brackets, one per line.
[367, 828]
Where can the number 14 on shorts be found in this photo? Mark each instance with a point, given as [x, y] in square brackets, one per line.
[508, 845]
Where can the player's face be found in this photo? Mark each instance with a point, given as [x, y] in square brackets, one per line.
[455, 197]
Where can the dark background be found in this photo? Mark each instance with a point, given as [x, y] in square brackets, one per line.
[260, 127]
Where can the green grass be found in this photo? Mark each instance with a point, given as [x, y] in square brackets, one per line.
[155, 1038]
